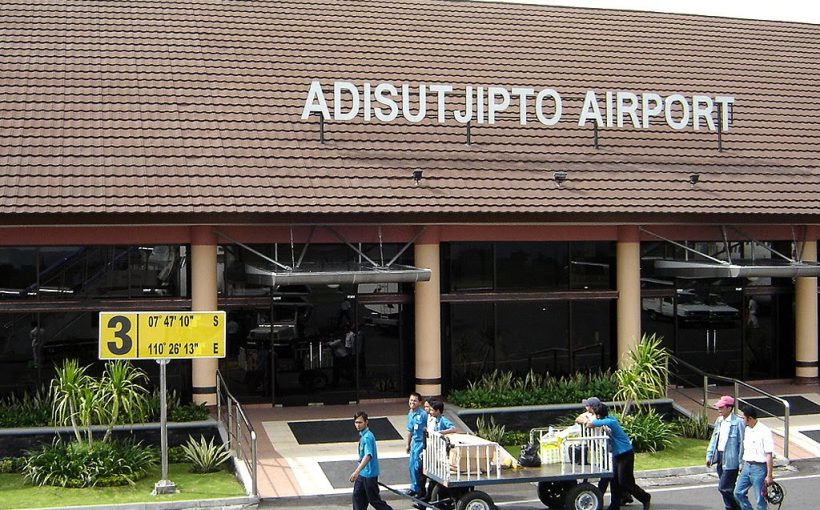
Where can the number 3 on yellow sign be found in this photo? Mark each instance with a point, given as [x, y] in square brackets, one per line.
[117, 336]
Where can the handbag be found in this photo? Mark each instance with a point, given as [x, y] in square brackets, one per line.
[529, 456]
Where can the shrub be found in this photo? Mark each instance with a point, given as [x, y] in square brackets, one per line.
[177, 411]
[205, 457]
[696, 426]
[28, 410]
[489, 430]
[79, 464]
[188, 412]
[646, 374]
[79, 400]
[648, 430]
[498, 389]
[515, 438]
[176, 455]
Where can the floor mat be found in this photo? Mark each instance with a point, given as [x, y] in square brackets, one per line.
[392, 472]
[340, 431]
[814, 435]
[769, 407]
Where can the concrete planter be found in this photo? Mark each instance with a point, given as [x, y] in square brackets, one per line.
[527, 417]
[14, 442]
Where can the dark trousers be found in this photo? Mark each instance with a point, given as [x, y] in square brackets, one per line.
[726, 484]
[603, 483]
[366, 490]
[624, 480]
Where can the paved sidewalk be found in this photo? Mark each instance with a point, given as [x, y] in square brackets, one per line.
[288, 469]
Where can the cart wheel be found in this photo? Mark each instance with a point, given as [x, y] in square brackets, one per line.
[552, 493]
[584, 496]
[441, 497]
[475, 500]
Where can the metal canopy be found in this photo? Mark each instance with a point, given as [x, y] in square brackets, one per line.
[757, 268]
[393, 274]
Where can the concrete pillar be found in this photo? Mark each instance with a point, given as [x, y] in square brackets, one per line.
[628, 284]
[805, 316]
[203, 299]
[428, 321]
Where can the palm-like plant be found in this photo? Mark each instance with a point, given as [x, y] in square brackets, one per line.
[122, 395]
[72, 395]
[205, 457]
[646, 373]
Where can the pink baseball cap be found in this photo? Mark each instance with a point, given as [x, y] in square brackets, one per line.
[724, 401]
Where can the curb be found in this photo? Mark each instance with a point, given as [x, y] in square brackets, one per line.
[236, 502]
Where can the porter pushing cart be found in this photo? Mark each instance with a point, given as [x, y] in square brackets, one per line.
[459, 464]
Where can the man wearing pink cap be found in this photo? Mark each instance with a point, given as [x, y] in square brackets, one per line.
[726, 449]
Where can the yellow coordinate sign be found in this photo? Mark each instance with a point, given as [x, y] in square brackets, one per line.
[160, 335]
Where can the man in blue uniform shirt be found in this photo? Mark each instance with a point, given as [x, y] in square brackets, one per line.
[442, 424]
[365, 477]
[416, 423]
[623, 460]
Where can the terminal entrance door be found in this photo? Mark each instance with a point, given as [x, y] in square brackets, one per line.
[312, 346]
[708, 318]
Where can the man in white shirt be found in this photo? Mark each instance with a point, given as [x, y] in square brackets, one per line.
[757, 473]
[725, 449]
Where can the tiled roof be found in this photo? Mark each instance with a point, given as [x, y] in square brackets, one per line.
[193, 107]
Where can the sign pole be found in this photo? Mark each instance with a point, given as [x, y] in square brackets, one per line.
[164, 486]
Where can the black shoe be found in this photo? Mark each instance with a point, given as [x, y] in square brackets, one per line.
[647, 503]
[626, 500]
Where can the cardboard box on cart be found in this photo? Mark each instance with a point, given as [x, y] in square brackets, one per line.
[471, 455]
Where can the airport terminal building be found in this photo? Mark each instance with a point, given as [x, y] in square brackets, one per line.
[395, 195]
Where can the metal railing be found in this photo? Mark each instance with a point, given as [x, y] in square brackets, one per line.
[241, 435]
[737, 384]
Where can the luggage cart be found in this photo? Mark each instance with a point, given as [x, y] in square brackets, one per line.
[459, 467]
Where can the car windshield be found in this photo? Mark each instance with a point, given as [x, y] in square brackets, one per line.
[689, 299]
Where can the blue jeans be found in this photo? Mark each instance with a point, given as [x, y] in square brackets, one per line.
[754, 476]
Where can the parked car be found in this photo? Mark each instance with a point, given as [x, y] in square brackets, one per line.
[691, 307]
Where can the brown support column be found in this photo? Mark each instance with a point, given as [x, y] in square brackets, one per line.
[428, 317]
[805, 316]
[203, 299]
[628, 283]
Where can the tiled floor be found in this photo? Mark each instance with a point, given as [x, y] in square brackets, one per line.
[287, 468]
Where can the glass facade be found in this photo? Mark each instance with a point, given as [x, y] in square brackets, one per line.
[50, 298]
[724, 326]
[333, 343]
[509, 307]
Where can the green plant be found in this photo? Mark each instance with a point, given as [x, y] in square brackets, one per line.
[80, 464]
[515, 438]
[495, 389]
[73, 393]
[205, 457]
[646, 373]
[188, 412]
[696, 426]
[176, 455]
[648, 430]
[489, 430]
[28, 410]
[121, 396]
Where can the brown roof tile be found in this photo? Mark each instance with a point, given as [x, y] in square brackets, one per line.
[193, 106]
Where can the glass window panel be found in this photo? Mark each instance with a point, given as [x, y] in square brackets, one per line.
[533, 335]
[591, 338]
[470, 266]
[18, 271]
[472, 336]
[532, 266]
[591, 265]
